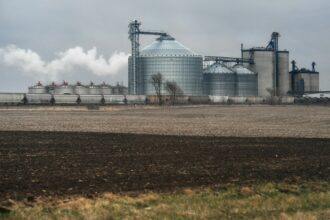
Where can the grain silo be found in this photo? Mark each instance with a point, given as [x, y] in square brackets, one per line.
[272, 66]
[174, 61]
[218, 80]
[80, 89]
[247, 81]
[64, 89]
[38, 89]
[94, 89]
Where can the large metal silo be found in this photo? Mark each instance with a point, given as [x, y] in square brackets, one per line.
[247, 81]
[174, 61]
[218, 80]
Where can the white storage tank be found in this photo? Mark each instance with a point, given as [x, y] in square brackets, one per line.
[64, 89]
[94, 89]
[80, 89]
[284, 73]
[106, 89]
[38, 89]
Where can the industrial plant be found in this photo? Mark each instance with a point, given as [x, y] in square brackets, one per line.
[259, 73]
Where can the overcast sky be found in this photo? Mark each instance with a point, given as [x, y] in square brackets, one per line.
[87, 40]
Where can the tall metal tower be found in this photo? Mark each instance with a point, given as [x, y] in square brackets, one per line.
[134, 36]
[273, 45]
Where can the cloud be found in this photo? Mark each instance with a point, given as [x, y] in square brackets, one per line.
[66, 62]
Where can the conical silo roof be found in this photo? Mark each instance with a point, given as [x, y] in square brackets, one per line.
[218, 68]
[166, 46]
[240, 69]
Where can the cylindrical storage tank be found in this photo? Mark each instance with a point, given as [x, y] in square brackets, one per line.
[174, 61]
[115, 90]
[264, 66]
[95, 90]
[284, 75]
[218, 80]
[64, 89]
[81, 90]
[106, 89]
[38, 89]
[247, 81]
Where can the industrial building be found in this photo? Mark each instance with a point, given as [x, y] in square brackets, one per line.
[304, 80]
[260, 71]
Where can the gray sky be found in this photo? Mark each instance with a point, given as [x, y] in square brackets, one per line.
[50, 38]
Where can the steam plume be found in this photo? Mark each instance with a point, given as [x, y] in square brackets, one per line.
[33, 65]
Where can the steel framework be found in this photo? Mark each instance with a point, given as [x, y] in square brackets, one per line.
[134, 36]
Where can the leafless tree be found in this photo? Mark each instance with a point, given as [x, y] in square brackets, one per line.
[157, 82]
[273, 99]
[173, 90]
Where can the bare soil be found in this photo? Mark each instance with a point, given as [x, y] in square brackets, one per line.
[55, 164]
[238, 121]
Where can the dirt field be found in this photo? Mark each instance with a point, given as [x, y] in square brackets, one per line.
[239, 121]
[74, 151]
[58, 164]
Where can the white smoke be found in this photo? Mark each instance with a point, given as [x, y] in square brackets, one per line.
[33, 65]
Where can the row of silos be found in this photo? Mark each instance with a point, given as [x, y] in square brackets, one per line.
[221, 80]
[79, 89]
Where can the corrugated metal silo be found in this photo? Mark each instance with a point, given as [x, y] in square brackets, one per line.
[174, 61]
[247, 81]
[218, 80]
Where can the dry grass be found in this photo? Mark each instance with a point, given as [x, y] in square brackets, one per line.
[242, 121]
[263, 201]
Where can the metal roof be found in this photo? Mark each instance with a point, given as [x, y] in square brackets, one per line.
[218, 68]
[166, 46]
[239, 69]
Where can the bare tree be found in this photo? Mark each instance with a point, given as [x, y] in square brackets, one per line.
[273, 99]
[173, 90]
[157, 82]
